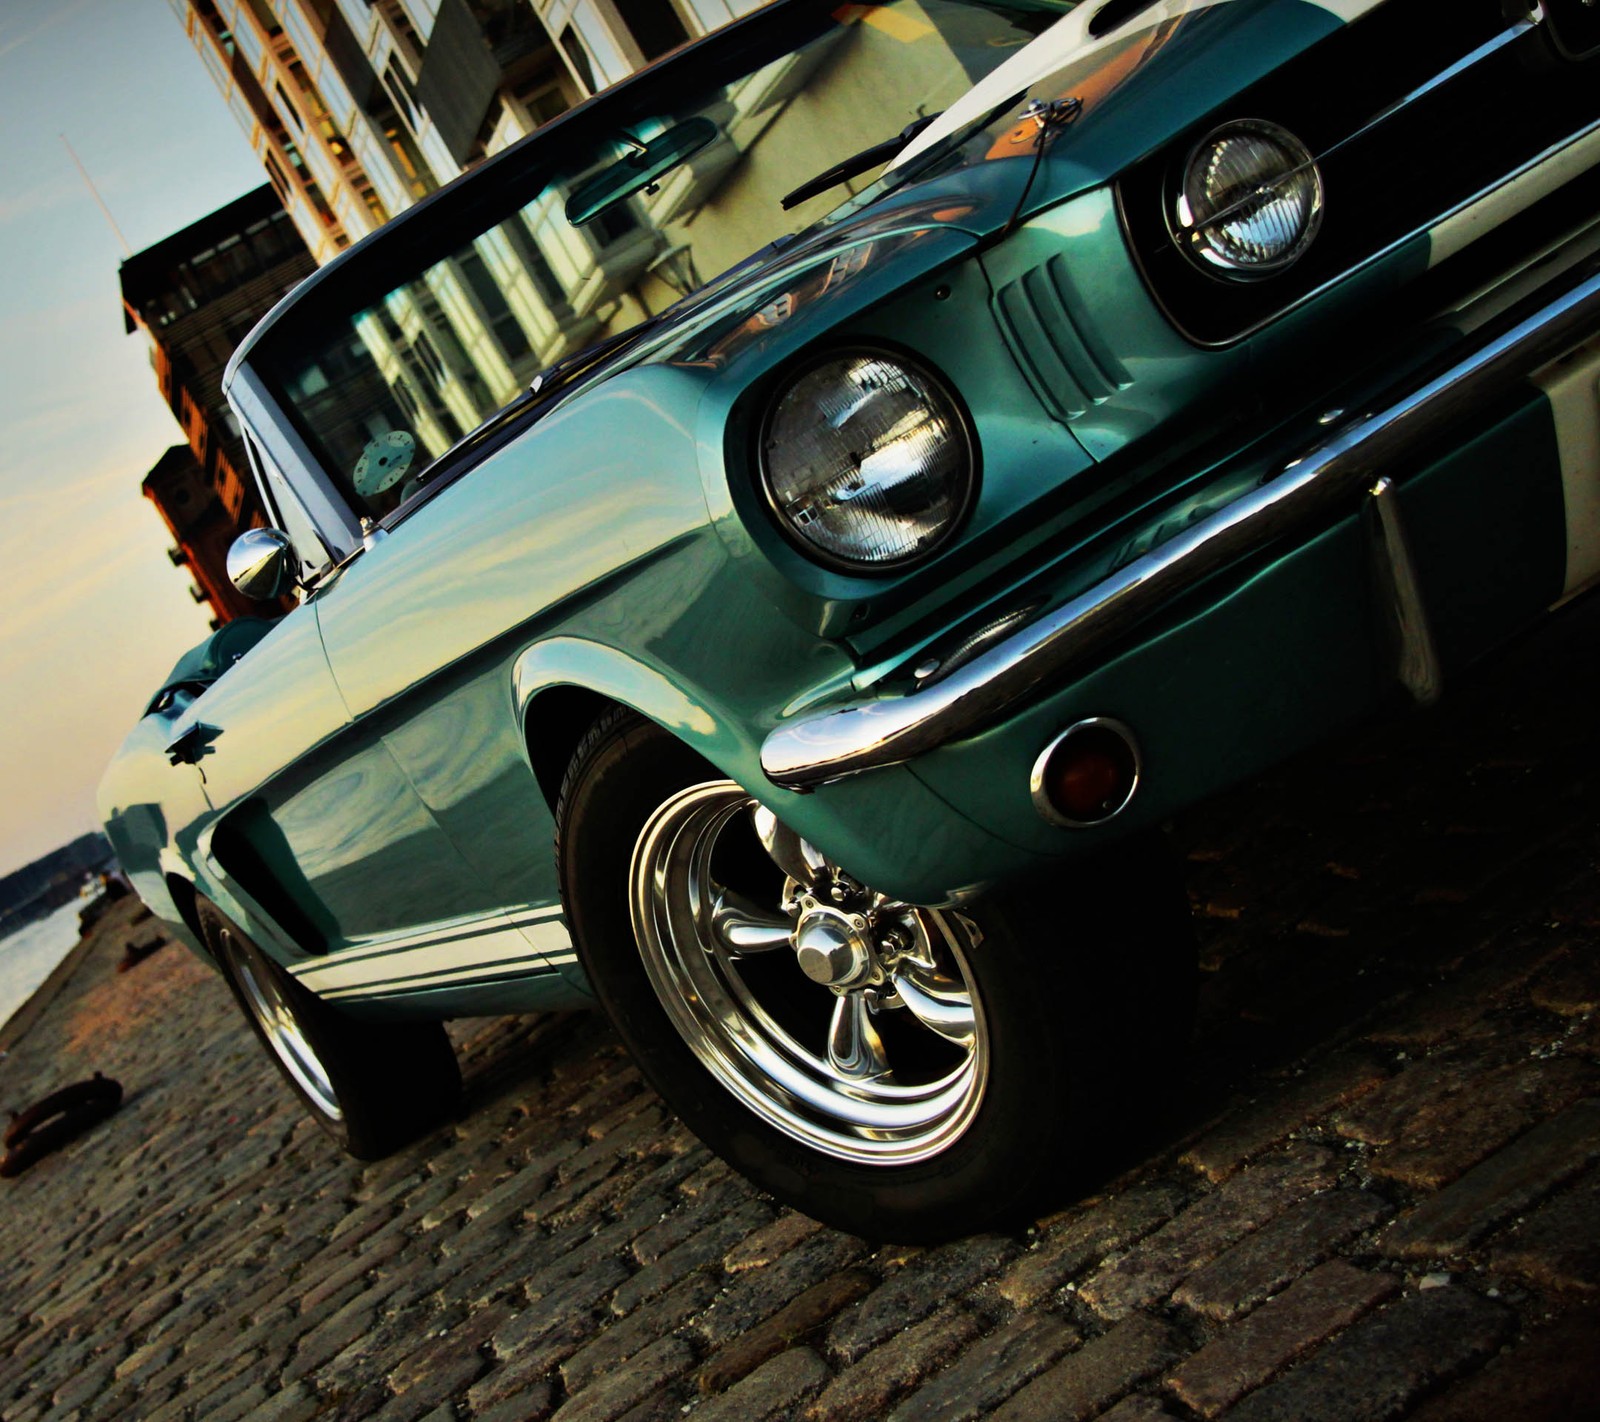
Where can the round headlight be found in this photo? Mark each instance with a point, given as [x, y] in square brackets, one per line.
[1251, 200]
[867, 461]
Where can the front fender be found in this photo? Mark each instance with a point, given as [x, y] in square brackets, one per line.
[593, 666]
[885, 827]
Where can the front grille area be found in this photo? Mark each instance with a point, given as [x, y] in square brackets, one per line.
[1044, 322]
[1412, 111]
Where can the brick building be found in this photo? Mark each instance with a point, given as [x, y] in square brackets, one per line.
[196, 294]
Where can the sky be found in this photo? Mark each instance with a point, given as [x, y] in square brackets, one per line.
[92, 614]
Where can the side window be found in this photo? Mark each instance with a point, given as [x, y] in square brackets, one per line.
[284, 508]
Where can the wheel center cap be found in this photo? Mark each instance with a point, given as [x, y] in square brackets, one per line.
[830, 948]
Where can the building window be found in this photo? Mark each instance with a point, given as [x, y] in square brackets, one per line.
[543, 95]
[265, 18]
[655, 25]
[289, 108]
[405, 161]
[508, 332]
[302, 81]
[364, 191]
[275, 175]
[578, 57]
[400, 25]
[403, 92]
[320, 203]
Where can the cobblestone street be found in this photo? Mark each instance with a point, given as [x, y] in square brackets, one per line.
[1379, 1194]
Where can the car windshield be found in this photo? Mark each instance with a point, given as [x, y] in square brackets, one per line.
[596, 235]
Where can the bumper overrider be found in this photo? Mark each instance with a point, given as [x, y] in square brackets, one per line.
[1349, 466]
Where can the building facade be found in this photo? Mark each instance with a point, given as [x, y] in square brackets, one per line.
[357, 108]
[201, 531]
[195, 294]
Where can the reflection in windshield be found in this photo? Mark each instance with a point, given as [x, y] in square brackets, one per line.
[404, 379]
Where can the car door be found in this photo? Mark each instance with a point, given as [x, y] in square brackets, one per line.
[427, 686]
[315, 831]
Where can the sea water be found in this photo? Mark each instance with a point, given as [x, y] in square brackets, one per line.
[30, 955]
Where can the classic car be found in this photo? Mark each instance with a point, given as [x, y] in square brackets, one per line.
[776, 545]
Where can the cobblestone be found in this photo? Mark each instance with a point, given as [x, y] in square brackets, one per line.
[1548, 1377]
[1442, 1140]
[609, 1397]
[1450, 1222]
[1266, 1121]
[1379, 1194]
[1571, 984]
[990, 1370]
[867, 1390]
[621, 1339]
[1281, 1250]
[790, 1323]
[776, 1386]
[1379, 1365]
[1137, 1409]
[915, 1291]
[753, 1295]
[1086, 1238]
[1087, 1381]
[1246, 1355]
[1558, 1245]
[1153, 1267]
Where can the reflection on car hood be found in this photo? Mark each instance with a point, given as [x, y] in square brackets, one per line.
[1165, 64]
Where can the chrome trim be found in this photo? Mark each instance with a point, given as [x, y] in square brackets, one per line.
[277, 440]
[1416, 658]
[830, 744]
[795, 1039]
[965, 431]
[1041, 798]
[260, 563]
[503, 943]
[275, 1015]
[1510, 35]
[1187, 231]
[1549, 170]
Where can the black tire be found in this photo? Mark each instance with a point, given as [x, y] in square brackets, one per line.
[373, 1086]
[1080, 992]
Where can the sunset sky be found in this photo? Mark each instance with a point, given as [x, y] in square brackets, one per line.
[93, 614]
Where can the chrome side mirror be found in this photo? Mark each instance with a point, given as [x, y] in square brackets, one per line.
[261, 563]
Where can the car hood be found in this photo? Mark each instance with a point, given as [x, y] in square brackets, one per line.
[1137, 84]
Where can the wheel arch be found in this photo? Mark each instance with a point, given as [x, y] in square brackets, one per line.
[564, 685]
[873, 824]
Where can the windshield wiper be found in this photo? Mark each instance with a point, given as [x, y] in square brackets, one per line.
[537, 392]
[858, 163]
[563, 370]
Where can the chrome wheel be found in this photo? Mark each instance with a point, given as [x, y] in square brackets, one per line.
[257, 978]
[847, 1020]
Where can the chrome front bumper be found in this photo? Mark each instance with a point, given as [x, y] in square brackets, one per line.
[1351, 462]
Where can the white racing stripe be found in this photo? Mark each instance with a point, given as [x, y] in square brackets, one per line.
[1572, 385]
[1347, 10]
[1540, 176]
[523, 940]
[1069, 43]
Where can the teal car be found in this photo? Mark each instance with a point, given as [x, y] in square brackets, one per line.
[774, 547]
